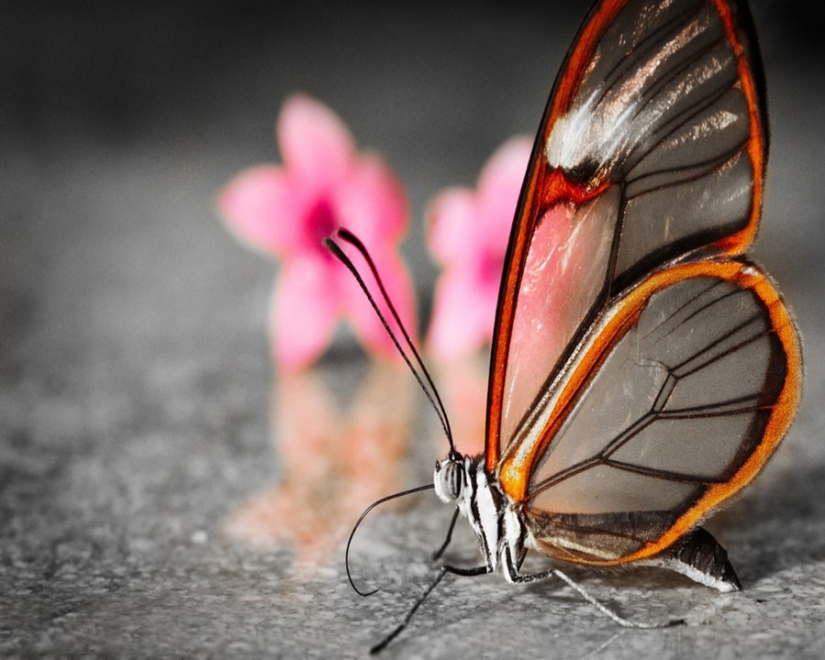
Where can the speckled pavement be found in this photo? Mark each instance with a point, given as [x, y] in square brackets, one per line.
[156, 499]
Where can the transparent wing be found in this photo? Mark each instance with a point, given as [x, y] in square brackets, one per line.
[674, 403]
[652, 149]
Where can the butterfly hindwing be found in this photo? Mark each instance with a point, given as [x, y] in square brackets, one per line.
[674, 402]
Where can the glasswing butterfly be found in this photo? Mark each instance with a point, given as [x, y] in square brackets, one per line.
[643, 368]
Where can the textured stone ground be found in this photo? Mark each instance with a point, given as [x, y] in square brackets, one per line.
[155, 497]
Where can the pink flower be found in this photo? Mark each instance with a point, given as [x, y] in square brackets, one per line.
[323, 185]
[467, 233]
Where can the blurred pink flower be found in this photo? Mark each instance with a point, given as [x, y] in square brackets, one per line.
[467, 233]
[323, 185]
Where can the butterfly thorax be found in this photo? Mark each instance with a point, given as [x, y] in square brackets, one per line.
[496, 522]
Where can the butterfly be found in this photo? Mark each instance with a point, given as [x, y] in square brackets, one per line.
[643, 369]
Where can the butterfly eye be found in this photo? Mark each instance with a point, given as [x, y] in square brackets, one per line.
[448, 480]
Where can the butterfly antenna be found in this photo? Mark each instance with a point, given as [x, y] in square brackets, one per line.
[421, 374]
[411, 491]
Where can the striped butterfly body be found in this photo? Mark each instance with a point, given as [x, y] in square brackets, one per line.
[643, 369]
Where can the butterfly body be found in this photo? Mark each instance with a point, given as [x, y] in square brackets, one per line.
[497, 524]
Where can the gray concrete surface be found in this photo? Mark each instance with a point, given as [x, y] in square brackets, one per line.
[155, 499]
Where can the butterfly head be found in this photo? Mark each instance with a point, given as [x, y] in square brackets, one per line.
[449, 478]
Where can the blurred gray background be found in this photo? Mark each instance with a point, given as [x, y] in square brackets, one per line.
[135, 380]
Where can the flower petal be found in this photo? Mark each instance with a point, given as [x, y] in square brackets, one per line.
[305, 306]
[261, 207]
[315, 143]
[450, 225]
[505, 169]
[363, 317]
[468, 232]
[462, 321]
[371, 203]
[499, 186]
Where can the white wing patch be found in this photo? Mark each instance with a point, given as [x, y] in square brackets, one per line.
[577, 138]
[603, 128]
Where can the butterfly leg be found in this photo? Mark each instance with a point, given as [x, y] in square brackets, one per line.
[518, 578]
[437, 554]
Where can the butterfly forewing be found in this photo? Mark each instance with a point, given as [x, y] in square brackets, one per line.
[651, 150]
[673, 403]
